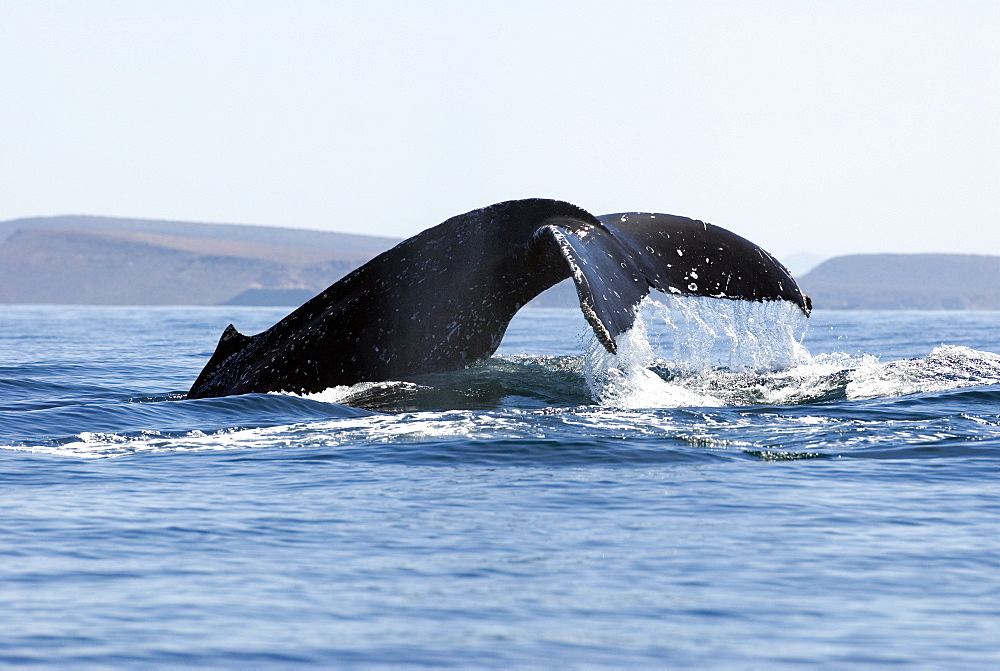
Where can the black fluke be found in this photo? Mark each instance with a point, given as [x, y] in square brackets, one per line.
[443, 298]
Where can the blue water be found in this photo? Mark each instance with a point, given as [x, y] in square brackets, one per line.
[830, 504]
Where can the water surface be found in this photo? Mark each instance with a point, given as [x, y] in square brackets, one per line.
[769, 504]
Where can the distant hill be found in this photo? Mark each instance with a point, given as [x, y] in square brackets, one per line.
[905, 282]
[369, 245]
[105, 261]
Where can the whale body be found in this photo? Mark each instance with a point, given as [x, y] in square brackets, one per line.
[443, 298]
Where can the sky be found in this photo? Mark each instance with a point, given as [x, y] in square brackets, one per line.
[819, 128]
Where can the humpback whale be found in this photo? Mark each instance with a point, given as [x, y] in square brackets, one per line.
[443, 298]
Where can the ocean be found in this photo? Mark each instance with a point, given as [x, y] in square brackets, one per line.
[738, 488]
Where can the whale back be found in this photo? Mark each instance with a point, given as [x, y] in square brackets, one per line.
[437, 301]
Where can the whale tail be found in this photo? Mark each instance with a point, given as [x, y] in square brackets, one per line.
[443, 298]
[615, 267]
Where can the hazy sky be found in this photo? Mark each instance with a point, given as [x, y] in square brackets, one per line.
[824, 127]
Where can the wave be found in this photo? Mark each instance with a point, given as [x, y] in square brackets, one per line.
[953, 423]
[695, 379]
[106, 428]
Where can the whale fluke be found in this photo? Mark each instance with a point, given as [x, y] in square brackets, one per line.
[443, 298]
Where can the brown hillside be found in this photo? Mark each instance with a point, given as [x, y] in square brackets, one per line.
[905, 282]
[45, 265]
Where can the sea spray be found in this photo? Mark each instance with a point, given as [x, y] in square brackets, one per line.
[687, 351]
[697, 333]
[625, 380]
[696, 344]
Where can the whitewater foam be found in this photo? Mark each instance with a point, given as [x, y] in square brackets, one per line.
[946, 367]
[705, 348]
[700, 352]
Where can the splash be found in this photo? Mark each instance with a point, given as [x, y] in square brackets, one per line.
[686, 351]
[698, 333]
[626, 380]
[695, 351]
